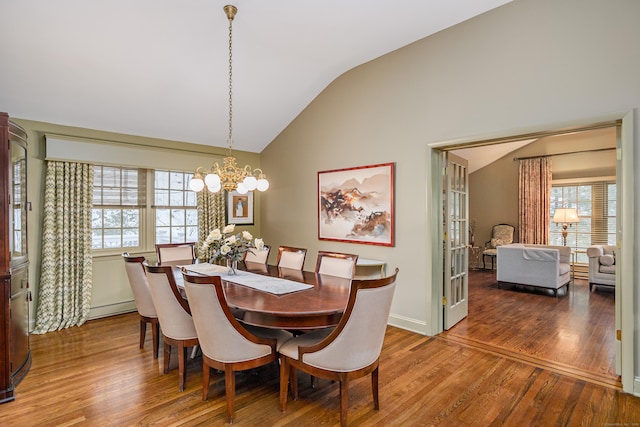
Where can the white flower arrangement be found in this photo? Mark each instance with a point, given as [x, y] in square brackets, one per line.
[227, 245]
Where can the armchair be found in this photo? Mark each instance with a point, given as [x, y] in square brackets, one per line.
[501, 234]
[602, 265]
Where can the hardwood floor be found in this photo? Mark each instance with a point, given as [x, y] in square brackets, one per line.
[574, 333]
[95, 375]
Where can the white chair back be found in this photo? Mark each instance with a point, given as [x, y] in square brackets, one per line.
[139, 286]
[218, 338]
[336, 264]
[258, 256]
[359, 342]
[183, 252]
[292, 259]
[176, 322]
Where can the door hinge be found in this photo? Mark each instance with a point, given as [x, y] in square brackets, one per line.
[618, 334]
[444, 301]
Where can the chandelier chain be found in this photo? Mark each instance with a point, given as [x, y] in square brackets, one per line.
[229, 176]
[230, 140]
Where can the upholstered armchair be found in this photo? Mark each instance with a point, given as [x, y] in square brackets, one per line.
[501, 234]
[602, 265]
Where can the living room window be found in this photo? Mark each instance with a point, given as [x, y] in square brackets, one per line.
[122, 217]
[595, 203]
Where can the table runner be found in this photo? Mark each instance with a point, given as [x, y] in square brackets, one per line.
[272, 285]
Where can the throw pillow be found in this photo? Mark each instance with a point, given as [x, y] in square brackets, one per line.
[607, 260]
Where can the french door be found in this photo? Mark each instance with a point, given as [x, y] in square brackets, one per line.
[456, 235]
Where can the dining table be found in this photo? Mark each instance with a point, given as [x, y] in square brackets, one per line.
[320, 305]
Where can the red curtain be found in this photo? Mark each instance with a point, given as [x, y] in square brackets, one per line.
[534, 199]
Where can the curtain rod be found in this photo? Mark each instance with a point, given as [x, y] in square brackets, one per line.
[564, 154]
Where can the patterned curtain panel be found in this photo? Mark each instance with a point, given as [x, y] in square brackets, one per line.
[534, 199]
[65, 284]
[211, 215]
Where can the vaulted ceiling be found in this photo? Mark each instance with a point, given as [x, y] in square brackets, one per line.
[159, 68]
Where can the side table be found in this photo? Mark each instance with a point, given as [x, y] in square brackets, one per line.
[475, 257]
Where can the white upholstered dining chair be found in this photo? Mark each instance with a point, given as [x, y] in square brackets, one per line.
[257, 256]
[290, 257]
[352, 350]
[142, 298]
[176, 253]
[336, 264]
[174, 315]
[226, 344]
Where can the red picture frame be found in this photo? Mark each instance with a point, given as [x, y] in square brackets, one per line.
[356, 205]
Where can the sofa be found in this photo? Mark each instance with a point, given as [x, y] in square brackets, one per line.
[541, 266]
[602, 266]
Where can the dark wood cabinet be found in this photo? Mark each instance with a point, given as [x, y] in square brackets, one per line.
[15, 355]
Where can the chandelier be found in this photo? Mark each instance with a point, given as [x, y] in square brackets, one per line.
[229, 176]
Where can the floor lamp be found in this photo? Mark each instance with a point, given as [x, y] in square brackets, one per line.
[566, 217]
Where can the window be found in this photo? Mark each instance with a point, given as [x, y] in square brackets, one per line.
[121, 211]
[176, 215]
[118, 202]
[595, 203]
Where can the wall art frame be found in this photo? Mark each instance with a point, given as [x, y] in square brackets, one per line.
[356, 205]
[240, 208]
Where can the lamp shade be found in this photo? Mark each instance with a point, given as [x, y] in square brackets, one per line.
[565, 216]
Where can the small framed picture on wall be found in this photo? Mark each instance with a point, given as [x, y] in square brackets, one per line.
[239, 208]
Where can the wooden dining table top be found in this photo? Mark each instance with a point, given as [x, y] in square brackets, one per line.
[321, 306]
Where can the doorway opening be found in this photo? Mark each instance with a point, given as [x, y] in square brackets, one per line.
[623, 177]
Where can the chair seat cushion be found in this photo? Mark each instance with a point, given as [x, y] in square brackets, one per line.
[277, 334]
[609, 269]
[490, 252]
[290, 348]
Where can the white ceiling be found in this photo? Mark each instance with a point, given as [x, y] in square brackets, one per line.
[479, 157]
[159, 68]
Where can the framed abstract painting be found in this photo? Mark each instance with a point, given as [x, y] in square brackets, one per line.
[356, 205]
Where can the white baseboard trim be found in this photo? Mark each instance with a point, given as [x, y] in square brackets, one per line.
[412, 325]
[112, 309]
[636, 386]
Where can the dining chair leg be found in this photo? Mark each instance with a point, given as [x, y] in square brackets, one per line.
[167, 356]
[293, 379]
[143, 331]
[374, 388]
[284, 383]
[230, 389]
[155, 330]
[182, 371]
[206, 376]
[344, 400]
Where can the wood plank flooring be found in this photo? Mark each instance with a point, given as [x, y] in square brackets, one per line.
[95, 375]
[573, 333]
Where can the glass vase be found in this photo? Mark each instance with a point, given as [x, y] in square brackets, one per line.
[232, 266]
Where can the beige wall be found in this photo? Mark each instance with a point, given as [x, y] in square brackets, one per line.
[493, 189]
[111, 293]
[527, 65]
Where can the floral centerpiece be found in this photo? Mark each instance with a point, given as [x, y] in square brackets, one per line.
[229, 246]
